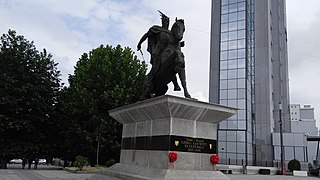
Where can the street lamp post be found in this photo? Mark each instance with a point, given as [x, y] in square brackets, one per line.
[281, 140]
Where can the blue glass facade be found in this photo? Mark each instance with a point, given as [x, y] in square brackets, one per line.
[236, 81]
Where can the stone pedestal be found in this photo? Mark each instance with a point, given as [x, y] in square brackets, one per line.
[157, 126]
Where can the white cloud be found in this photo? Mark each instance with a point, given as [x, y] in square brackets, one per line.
[67, 29]
[304, 54]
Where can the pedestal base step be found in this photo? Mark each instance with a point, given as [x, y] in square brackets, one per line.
[126, 171]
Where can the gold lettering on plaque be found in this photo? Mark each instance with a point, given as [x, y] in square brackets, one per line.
[176, 143]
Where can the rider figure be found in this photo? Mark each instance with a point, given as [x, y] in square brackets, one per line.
[157, 42]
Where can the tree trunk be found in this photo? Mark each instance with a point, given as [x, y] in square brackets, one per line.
[65, 163]
[3, 164]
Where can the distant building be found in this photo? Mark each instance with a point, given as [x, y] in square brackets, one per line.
[296, 143]
[303, 121]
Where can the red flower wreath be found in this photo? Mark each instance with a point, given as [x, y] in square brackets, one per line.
[173, 156]
[214, 159]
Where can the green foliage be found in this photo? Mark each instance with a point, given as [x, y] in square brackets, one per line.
[29, 86]
[110, 162]
[294, 165]
[80, 161]
[105, 78]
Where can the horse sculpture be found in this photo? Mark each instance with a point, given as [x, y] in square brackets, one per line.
[171, 62]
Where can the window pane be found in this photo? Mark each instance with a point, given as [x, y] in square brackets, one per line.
[232, 124]
[242, 125]
[232, 64]
[241, 53]
[232, 35]
[233, 26]
[223, 125]
[241, 159]
[224, 46]
[232, 94]
[231, 147]
[241, 148]
[233, 17]
[231, 158]
[231, 135]
[241, 24]
[223, 55]
[232, 84]
[232, 103]
[232, 74]
[299, 153]
[222, 135]
[223, 75]
[241, 34]
[224, 36]
[233, 8]
[224, 9]
[222, 147]
[241, 94]
[288, 152]
[241, 15]
[277, 153]
[224, 2]
[249, 149]
[223, 84]
[223, 94]
[241, 43]
[249, 130]
[241, 6]
[223, 64]
[241, 83]
[241, 73]
[224, 27]
[224, 18]
[242, 104]
[232, 54]
[241, 137]
[232, 1]
[241, 63]
[233, 44]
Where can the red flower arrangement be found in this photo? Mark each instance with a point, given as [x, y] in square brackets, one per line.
[214, 159]
[173, 156]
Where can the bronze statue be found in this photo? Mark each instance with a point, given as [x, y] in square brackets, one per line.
[167, 60]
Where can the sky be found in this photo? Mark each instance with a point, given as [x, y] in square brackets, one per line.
[67, 29]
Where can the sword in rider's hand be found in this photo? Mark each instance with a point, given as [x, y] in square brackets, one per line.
[142, 55]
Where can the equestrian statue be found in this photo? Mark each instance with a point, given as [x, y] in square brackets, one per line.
[167, 60]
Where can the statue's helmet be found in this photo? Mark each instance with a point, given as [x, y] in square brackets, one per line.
[164, 17]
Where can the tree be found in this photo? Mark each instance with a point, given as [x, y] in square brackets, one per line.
[29, 85]
[105, 78]
[294, 164]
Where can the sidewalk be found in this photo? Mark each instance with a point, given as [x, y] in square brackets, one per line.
[268, 177]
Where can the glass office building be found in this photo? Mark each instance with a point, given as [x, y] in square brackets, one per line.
[248, 70]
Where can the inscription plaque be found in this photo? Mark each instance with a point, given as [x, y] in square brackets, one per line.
[170, 143]
[188, 144]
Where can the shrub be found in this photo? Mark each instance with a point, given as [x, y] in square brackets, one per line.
[80, 161]
[110, 162]
[294, 165]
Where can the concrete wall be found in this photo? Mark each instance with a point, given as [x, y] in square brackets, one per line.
[271, 80]
[214, 53]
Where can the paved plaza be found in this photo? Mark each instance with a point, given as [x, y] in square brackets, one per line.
[269, 177]
[47, 172]
[54, 174]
